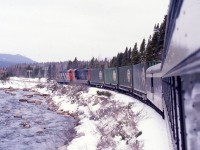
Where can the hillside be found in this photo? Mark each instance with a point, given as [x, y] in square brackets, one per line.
[8, 59]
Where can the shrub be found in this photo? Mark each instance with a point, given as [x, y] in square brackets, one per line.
[40, 86]
[105, 93]
[63, 90]
[4, 78]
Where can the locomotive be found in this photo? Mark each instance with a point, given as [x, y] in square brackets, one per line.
[172, 86]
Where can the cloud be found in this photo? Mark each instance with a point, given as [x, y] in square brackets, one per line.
[57, 30]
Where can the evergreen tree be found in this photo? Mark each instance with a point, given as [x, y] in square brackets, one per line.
[35, 71]
[113, 62]
[119, 59]
[135, 55]
[142, 51]
[49, 73]
[106, 62]
[53, 71]
[153, 51]
[39, 75]
[149, 50]
[69, 66]
[129, 56]
[155, 38]
[75, 63]
[96, 63]
[155, 44]
[125, 57]
[92, 63]
[161, 38]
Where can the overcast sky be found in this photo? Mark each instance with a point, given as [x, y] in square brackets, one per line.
[58, 30]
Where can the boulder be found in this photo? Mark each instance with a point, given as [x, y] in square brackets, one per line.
[26, 125]
[138, 134]
[30, 101]
[9, 92]
[40, 131]
[45, 95]
[38, 102]
[18, 115]
[29, 96]
[26, 89]
[52, 108]
[23, 100]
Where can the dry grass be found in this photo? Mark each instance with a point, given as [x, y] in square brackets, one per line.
[120, 122]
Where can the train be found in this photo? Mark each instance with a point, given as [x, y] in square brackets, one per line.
[127, 79]
[172, 86]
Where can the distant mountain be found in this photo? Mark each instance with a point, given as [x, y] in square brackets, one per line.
[8, 59]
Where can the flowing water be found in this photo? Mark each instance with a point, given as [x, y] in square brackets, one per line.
[31, 126]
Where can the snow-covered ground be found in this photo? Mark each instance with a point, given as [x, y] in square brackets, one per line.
[108, 120]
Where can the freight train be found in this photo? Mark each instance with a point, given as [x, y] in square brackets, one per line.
[171, 87]
[127, 79]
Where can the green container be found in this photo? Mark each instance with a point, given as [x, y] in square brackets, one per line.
[110, 76]
[125, 77]
[96, 76]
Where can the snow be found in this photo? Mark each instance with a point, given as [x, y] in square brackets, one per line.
[63, 104]
[89, 136]
[20, 83]
[154, 131]
[154, 69]
[93, 125]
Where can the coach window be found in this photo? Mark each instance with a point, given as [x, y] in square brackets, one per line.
[152, 89]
